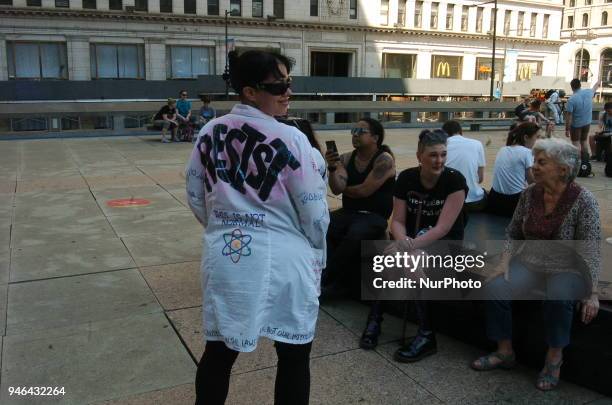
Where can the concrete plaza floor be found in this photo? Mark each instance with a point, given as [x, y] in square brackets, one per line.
[105, 301]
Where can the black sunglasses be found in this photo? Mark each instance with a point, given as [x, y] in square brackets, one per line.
[276, 89]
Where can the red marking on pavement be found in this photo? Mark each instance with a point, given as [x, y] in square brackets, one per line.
[128, 202]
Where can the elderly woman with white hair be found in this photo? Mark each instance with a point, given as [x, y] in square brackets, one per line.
[552, 213]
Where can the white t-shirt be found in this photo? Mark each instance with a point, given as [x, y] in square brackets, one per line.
[509, 173]
[466, 156]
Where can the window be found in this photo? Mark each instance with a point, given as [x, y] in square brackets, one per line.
[418, 14]
[212, 7]
[62, 3]
[606, 68]
[29, 124]
[115, 4]
[384, 12]
[279, 8]
[165, 6]
[479, 14]
[433, 21]
[585, 19]
[236, 7]
[189, 6]
[91, 4]
[401, 13]
[6, 2]
[450, 9]
[507, 15]
[37, 60]
[399, 65]
[257, 8]
[141, 5]
[187, 62]
[353, 9]
[545, 26]
[483, 68]
[572, 3]
[581, 66]
[532, 24]
[110, 61]
[587, 2]
[446, 67]
[33, 3]
[604, 18]
[521, 21]
[526, 69]
[464, 18]
[570, 21]
[314, 8]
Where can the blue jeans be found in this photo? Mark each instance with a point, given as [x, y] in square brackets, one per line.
[562, 290]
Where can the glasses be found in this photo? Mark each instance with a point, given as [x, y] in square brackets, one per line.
[358, 131]
[276, 88]
[184, 95]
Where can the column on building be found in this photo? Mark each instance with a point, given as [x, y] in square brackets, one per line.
[76, 4]
[19, 3]
[472, 12]
[457, 10]
[79, 63]
[47, 3]
[220, 55]
[410, 7]
[487, 16]
[153, 6]
[393, 11]
[441, 16]
[423, 64]
[373, 62]
[155, 56]
[469, 67]
[178, 6]
[426, 17]
[540, 25]
[102, 5]
[294, 50]
[201, 7]
[3, 61]
[127, 3]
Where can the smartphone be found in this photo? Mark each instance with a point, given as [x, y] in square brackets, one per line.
[331, 146]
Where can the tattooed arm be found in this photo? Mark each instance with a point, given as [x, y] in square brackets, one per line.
[384, 169]
[337, 177]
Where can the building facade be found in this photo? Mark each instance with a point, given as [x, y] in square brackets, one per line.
[83, 40]
[587, 52]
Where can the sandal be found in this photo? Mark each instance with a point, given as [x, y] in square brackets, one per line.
[546, 376]
[369, 338]
[506, 362]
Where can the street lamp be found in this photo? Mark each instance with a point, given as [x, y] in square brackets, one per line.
[225, 75]
[494, 40]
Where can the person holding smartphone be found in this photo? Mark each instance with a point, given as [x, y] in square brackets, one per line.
[365, 178]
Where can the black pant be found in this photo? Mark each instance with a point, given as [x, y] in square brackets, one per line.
[292, 386]
[346, 231]
[502, 204]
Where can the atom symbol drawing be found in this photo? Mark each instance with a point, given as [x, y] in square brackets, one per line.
[236, 245]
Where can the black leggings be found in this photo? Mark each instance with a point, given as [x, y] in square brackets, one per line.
[292, 386]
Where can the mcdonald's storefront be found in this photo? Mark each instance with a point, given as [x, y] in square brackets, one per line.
[446, 67]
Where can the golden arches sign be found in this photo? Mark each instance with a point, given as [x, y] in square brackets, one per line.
[443, 70]
[524, 72]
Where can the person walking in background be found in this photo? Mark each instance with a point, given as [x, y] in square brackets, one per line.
[467, 156]
[552, 104]
[512, 169]
[165, 119]
[579, 115]
[253, 183]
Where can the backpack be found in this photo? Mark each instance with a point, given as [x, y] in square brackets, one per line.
[585, 166]
[608, 168]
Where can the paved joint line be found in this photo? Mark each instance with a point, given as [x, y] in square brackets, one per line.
[72, 275]
[195, 361]
[182, 308]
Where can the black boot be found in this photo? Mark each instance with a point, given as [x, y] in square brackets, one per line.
[369, 338]
[418, 347]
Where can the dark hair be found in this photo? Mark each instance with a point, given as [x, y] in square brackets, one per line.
[304, 126]
[608, 105]
[377, 130]
[182, 91]
[575, 84]
[535, 104]
[431, 138]
[253, 67]
[517, 135]
[452, 127]
[204, 98]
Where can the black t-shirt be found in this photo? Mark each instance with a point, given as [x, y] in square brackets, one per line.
[408, 187]
[169, 111]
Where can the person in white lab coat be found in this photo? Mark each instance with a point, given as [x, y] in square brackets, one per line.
[254, 185]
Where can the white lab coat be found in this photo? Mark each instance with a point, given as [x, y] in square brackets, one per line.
[255, 186]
